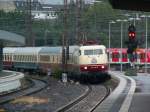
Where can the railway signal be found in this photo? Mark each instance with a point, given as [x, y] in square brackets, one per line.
[131, 32]
[132, 42]
[132, 45]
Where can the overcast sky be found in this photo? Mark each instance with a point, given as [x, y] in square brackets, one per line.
[59, 1]
[51, 1]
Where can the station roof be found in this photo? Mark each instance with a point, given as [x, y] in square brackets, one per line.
[11, 39]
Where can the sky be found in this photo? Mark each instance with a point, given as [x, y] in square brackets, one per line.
[59, 1]
[51, 1]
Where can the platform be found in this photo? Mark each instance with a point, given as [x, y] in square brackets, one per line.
[10, 80]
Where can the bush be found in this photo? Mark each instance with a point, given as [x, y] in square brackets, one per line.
[131, 72]
[58, 73]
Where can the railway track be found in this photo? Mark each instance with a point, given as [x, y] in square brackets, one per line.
[88, 102]
[35, 86]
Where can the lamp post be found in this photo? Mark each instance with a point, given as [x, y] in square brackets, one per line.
[110, 22]
[121, 34]
[133, 18]
[146, 32]
[45, 37]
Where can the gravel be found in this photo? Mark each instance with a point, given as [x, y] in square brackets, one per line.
[57, 94]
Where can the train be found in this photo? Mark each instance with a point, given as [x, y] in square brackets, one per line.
[119, 56]
[82, 59]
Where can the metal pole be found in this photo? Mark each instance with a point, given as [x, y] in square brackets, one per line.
[64, 39]
[30, 37]
[146, 46]
[134, 21]
[109, 45]
[78, 21]
[121, 47]
[45, 37]
[1, 56]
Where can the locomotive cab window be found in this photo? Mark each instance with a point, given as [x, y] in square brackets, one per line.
[93, 52]
[97, 51]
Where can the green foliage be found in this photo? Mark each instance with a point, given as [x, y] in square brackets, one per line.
[57, 73]
[131, 72]
[93, 24]
[96, 19]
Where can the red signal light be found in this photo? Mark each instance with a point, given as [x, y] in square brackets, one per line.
[132, 35]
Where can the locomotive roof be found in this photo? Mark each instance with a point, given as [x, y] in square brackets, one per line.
[93, 47]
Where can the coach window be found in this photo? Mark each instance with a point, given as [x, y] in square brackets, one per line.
[34, 58]
[124, 55]
[10, 57]
[17, 57]
[27, 59]
[5, 57]
[57, 58]
[50, 58]
[115, 55]
[20, 58]
[30, 58]
[142, 56]
[23, 58]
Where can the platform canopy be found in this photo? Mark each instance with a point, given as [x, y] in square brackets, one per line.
[136, 5]
[11, 39]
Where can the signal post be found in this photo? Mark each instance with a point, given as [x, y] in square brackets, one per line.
[132, 43]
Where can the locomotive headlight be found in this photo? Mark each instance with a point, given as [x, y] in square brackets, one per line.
[85, 68]
[103, 66]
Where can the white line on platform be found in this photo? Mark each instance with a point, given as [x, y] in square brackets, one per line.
[127, 102]
[107, 104]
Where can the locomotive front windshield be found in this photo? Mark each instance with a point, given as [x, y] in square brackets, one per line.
[93, 52]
